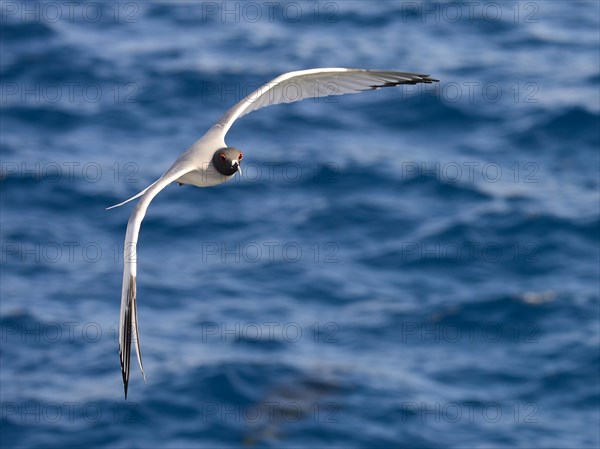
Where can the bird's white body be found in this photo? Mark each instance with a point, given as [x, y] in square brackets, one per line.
[195, 166]
[200, 155]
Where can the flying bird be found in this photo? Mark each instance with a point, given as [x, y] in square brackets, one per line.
[209, 161]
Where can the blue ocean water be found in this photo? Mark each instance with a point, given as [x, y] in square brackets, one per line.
[411, 267]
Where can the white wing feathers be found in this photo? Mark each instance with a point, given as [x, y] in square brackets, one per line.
[315, 83]
[128, 324]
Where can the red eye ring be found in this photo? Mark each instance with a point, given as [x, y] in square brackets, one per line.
[240, 157]
[222, 157]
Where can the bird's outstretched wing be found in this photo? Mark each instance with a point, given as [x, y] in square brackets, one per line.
[128, 323]
[315, 83]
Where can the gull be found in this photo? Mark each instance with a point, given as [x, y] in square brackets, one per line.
[209, 161]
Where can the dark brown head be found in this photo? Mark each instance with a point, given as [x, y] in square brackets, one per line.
[227, 160]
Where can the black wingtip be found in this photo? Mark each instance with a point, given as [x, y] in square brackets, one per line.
[124, 374]
[414, 79]
[125, 352]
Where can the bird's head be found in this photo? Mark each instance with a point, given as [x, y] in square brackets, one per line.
[227, 161]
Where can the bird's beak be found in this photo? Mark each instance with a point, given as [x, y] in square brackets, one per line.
[239, 167]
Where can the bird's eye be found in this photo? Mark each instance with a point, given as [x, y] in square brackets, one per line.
[240, 157]
[222, 157]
